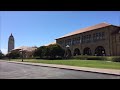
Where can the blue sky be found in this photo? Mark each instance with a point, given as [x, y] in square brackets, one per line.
[36, 28]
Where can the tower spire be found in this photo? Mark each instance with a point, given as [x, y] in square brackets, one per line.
[11, 34]
[10, 43]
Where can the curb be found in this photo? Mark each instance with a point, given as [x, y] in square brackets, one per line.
[66, 68]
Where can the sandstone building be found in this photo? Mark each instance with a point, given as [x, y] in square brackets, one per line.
[27, 51]
[101, 40]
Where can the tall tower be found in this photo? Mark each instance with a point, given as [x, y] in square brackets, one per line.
[10, 43]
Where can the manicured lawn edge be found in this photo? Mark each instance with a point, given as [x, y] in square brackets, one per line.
[80, 63]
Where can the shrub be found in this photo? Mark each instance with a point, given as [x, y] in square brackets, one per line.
[13, 55]
[53, 51]
[96, 58]
[83, 57]
[106, 58]
[116, 59]
[1, 55]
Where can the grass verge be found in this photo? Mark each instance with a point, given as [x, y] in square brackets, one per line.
[80, 63]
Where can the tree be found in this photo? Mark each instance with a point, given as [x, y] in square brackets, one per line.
[13, 54]
[52, 51]
[41, 52]
[1, 55]
[38, 52]
[55, 51]
[47, 53]
[44, 51]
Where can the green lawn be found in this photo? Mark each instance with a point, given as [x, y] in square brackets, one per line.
[80, 63]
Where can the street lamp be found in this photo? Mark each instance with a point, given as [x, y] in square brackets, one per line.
[21, 51]
[67, 46]
[9, 55]
[67, 54]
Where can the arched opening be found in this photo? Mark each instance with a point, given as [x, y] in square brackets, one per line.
[76, 52]
[100, 51]
[87, 51]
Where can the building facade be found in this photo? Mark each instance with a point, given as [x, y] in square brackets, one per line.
[100, 40]
[27, 51]
[11, 43]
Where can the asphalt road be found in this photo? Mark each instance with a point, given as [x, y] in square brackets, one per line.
[20, 71]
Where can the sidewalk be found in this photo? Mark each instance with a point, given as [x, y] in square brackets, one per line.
[86, 69]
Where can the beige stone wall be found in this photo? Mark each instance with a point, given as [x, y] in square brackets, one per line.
[110, 43]
[114, 41]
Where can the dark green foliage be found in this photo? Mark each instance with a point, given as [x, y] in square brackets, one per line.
[1, 55]
[13, 55]
[52, 51]
[116, 59]
[96, 58]
[84, 57]
[38, 53]
[55, 51]
[107, 58]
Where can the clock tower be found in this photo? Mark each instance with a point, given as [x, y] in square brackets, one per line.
[10, 43]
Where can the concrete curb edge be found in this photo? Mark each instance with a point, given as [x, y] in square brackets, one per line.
[65, 68]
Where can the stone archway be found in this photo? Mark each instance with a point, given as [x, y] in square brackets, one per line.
[87, 51]
[100, 51]
[76, 52]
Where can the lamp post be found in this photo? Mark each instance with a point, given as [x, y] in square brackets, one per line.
[21, 51]
[67, 54]
[9, 55]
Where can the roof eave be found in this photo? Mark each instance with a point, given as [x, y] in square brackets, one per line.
[84, 32]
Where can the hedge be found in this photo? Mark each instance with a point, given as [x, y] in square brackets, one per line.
[106, 58]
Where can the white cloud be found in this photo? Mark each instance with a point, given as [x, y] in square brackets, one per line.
[4, 51]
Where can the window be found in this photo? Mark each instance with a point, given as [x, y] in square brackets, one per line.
[78, 40]
[60, 42]
[97, 36]
[69, 41]
[89, 38]
[73, 41]
[100, 36]
[103, 35]
[65, 43]
[84, 38]
[93, 37]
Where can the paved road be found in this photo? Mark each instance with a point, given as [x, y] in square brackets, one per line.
[20, 71]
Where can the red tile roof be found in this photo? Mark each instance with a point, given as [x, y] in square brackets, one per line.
[50, 43]
[26, 48]
[101, 25]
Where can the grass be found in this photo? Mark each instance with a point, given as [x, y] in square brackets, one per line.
[80, 63]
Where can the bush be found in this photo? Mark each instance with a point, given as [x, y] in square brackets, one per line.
[83, 57]
[80, 57]
[13, 55]
[106, 58]
[116, 59]
[1, 56]
[96, 58]
[53, 51]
